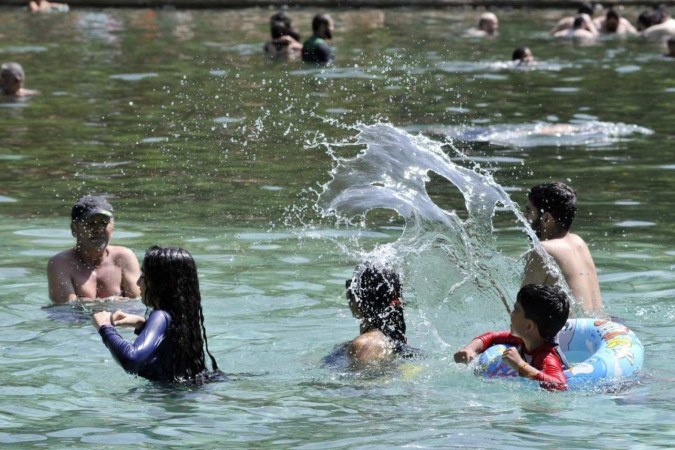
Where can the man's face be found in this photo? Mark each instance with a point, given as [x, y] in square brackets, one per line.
[94, 231]
[533, 215]
[612, 24]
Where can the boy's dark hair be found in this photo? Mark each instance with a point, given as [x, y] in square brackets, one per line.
[519, 53]
[278, 29]
[547, 306]
[557, 199]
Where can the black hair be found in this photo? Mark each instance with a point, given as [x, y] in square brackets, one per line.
[282, 17]
[557, 199]
[613, 13]
[519, 53]
[172, 285]
[377, 291]
[586, 8]
[320, 20]
[578, 22]
[547, 306]
[278, 29]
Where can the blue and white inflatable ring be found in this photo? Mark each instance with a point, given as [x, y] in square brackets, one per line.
[601, 354]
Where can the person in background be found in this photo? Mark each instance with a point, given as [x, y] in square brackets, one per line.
[613, 23]
[582, 28]
[284, 18]
[539, 313]
[659, 25]
[93, 268]
[12, 78]
[171, 340]
[282, 45]
[488, 25]
[47, 6]
[567, 22]
[522, 56]
[550, 209]
[316, 49]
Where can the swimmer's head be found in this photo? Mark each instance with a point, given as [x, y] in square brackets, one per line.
[488, 23]
[169, 279]
[612, 20]
[278, 29]
[11, 78]
[282, 17]
[523, 55]
[645, 20]
[322, 26]
[579, 22]
[89, 206]
[547, 306]
[374, 295]
[557, 199]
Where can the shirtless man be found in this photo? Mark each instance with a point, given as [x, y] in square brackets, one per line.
[582, 28]
[613, 23]
[550, 209]
[11, 81]
[93, 269]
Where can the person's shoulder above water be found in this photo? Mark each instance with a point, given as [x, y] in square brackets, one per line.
[284, 44]
[582, 28]
[488, 25]
[47, 6]
[316, 48]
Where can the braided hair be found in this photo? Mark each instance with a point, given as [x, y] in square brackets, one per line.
[172, 285]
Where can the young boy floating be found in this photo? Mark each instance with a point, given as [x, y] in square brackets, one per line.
[538, 315]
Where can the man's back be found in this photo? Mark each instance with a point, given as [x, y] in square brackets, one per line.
[576, 265]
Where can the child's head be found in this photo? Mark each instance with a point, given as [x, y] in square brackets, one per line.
[170, 279]
[547, 307]
[374, 294]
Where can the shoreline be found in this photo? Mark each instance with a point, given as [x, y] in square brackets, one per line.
[340, 4]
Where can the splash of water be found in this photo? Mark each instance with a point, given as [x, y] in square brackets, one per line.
[451, 263]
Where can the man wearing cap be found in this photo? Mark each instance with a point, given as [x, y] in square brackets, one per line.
[93, 269]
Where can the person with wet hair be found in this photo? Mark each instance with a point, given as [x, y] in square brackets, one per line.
[285, 19]
[582, 28]
[375, 299]
[567, 22]
[662, 25]
[315, 49]
[488, 25]
[282, 45]
[93, 269]
[171, 340]
[540, 312]
[522, 56]
[613, 23]
[551, 209]
[12, 78]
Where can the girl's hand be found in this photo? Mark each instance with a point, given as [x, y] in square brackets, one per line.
[130, 320]
[101, 318]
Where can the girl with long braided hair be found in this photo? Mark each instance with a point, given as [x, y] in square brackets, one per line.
[171, 340]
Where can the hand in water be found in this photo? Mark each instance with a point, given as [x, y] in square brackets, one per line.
[101, 318]
[465, 356]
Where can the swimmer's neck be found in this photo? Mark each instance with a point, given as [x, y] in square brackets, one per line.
[554, 234]
[531, 343]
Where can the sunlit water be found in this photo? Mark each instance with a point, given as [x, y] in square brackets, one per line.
[264, 171]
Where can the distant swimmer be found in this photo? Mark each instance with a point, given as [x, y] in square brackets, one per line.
[488, 25]
[93, 268]
[551, 208]
[12, 78]
[567, 22]
[284, 18]
[316, 49]
[47, 6]
[582, 28]
[662, 25]
[522, 56]
[171, 340]
[282, 45]
[375, 299]
[613, 23]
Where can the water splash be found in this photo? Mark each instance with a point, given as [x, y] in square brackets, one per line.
[451, 263]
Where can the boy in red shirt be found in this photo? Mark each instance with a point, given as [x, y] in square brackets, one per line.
[538, 315]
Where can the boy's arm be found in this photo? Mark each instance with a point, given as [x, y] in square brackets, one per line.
[469, 352]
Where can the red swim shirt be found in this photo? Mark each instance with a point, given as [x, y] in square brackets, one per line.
[544, 358]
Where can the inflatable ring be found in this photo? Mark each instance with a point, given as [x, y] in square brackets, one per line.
[601, 354]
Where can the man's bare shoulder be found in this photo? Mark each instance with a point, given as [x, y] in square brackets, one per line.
[117, 251]
[61, 258]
